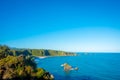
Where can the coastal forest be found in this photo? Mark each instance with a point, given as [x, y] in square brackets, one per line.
[19, 64]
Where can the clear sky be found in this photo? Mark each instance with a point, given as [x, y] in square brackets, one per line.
[70, 25]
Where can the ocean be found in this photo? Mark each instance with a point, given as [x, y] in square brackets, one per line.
[92, 66]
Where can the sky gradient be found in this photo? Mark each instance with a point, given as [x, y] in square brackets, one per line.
[69, 25]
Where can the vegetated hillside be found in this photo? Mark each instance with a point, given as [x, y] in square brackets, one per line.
[42, 52]
[19, 65]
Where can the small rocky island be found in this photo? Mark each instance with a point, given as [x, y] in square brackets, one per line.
[68, 67]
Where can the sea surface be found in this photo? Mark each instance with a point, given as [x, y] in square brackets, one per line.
[92, 66]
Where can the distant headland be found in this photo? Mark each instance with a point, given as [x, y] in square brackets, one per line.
[41, 52]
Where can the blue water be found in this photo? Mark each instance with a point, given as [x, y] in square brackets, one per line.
[91, 66]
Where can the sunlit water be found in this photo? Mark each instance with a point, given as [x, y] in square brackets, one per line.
[91, 66]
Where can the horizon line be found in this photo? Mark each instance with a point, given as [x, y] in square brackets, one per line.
[64, 50]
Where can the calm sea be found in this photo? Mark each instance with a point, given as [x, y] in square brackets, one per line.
[99, 66]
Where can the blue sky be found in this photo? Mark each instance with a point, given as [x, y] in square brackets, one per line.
[70, 25]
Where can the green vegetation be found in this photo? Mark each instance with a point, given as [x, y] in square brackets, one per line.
[42, 52]
[20, 65]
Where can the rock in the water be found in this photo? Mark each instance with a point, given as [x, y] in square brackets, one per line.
[68, 67]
